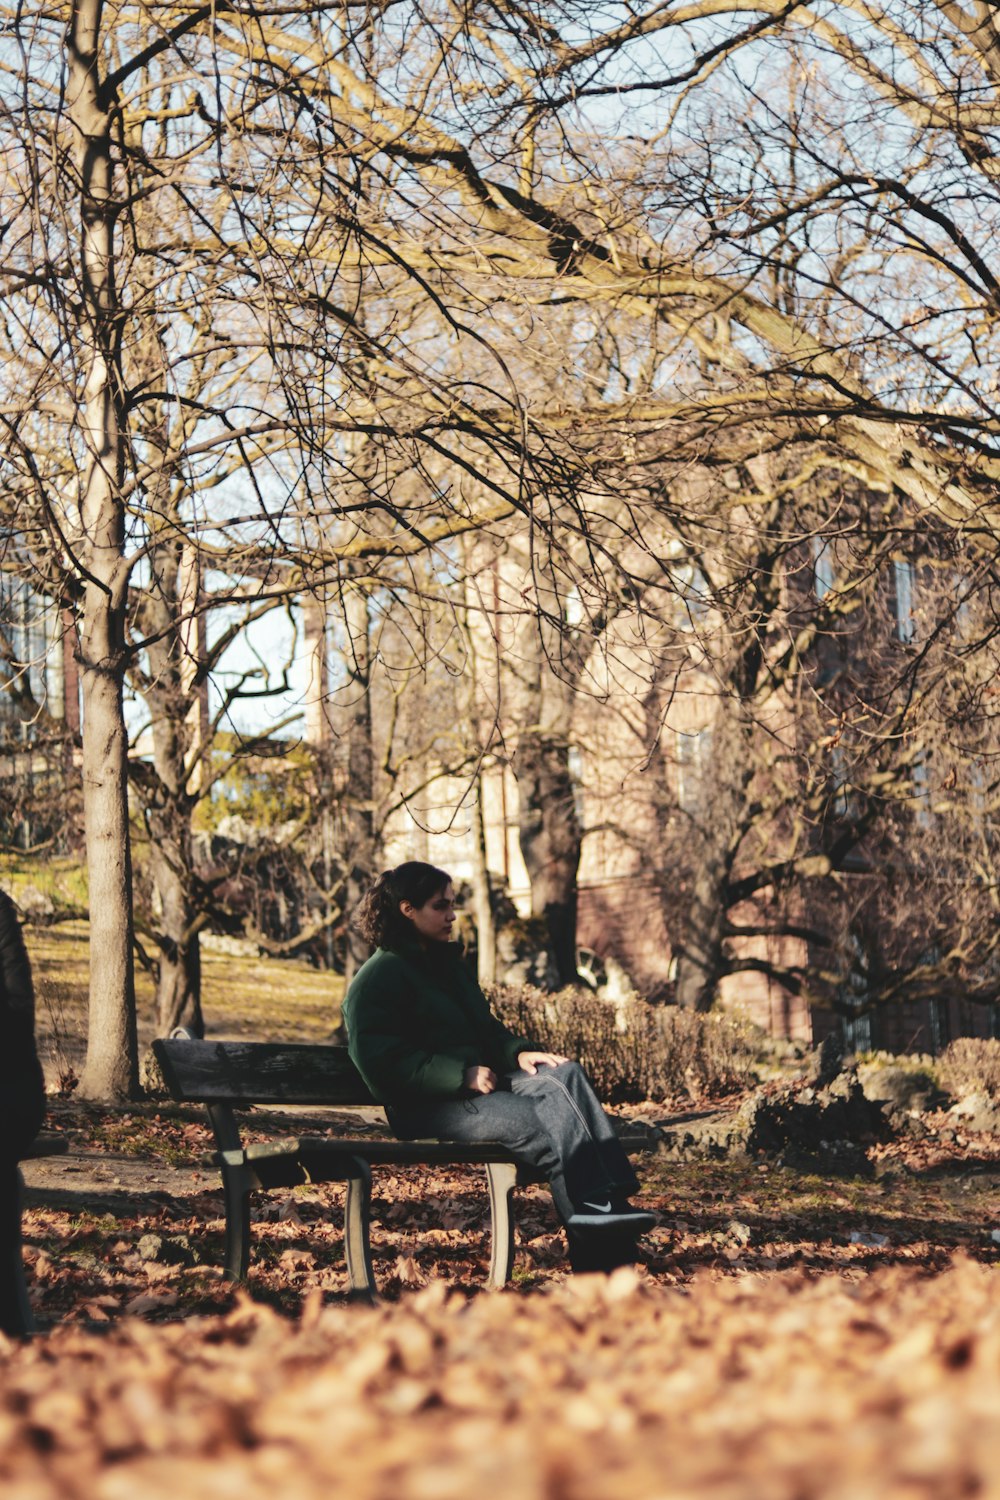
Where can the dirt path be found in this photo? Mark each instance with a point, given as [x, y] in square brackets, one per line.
[111, 1183]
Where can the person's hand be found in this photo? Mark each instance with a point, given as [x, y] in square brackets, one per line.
[480, 1080]
[530, 1062]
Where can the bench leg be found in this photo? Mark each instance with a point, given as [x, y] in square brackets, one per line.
[501, 1177]
[357, 1242]
[16, 1317]
[237, 1185]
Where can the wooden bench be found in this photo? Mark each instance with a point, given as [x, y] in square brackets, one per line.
[228, 1075]
[16, 1316]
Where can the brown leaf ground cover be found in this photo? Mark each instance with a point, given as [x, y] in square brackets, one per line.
[784, 1336]
[93, 1219]
[781, 1386]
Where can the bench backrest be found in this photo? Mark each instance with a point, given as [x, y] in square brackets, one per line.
[259, 1073]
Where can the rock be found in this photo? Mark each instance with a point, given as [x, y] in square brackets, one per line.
[84, 1261]
[524, 949]
[150, 1076]
[825, 1129]
[976, 1112]
[713, 1135]
[36, 905]
[235, 947]
[900, 1087]
[827, 1061]
[639, 1135]
[173, 1250]
[905, 1122]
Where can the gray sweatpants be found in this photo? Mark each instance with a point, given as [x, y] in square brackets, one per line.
[551, 1120]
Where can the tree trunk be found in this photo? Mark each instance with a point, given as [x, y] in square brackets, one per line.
[718, 827]
[178, 989]
[111, 1069]
[482, 895]
[173, 692]
[550, 838]
[178, 981]
[699, 951]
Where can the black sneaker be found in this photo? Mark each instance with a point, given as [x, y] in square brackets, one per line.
[613, 1212]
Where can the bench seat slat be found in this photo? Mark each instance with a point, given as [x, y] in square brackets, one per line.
[297, 1160]
[386, 1153]
[430, 1152]
[281, 1169]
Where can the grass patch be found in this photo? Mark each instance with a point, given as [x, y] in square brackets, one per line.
[953, 1209]
[99, 1227]
[62, 880]
[242, 996]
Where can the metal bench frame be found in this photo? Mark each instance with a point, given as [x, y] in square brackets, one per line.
[227, 1075]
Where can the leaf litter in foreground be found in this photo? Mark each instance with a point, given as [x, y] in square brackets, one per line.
[770, 1387]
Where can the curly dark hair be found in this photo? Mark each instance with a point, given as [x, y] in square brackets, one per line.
[378, 916]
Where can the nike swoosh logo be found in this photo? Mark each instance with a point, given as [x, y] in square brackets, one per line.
[599, 1208]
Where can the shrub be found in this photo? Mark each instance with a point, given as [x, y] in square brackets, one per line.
[971, 1065]
[632, 1050]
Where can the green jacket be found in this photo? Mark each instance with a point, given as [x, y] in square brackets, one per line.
[416, 1019]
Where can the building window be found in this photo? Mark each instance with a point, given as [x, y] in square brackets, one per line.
[922, 792]
[693, 755]
[858, 1033]
[903, 598]
[26, 621]
[693, 594]
[574, 766]
[824, 574]
[841, 784]
[846, 801]
[938, 1025]
[858, 1024]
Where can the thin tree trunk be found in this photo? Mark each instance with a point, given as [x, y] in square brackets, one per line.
[173, 690]
[550, 837]
[482, 895]
[111, 1069]
[359, 831]
[486, 931]
[178, 984]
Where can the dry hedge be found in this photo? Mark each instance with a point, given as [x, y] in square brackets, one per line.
[971, 1065]
[632, 1050]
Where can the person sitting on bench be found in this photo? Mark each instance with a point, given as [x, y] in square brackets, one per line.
[421, 1034]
